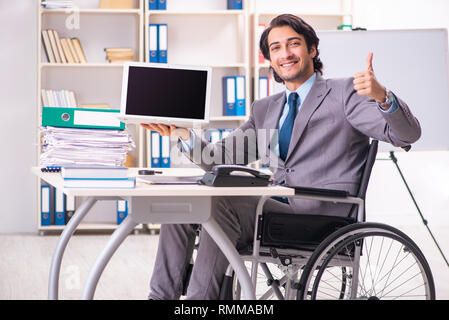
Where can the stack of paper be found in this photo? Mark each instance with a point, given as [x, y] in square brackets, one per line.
[90, 147]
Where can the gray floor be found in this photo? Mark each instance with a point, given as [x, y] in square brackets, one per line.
[25, 262]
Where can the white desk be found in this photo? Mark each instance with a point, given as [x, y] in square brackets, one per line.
[153, 204]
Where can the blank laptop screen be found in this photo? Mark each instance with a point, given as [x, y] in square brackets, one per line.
[161, 92]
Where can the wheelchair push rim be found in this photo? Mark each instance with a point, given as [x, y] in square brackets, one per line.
[382, 263]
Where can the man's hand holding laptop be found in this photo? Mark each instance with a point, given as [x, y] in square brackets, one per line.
[171, 130]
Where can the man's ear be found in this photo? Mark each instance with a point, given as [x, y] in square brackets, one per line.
[312, 51]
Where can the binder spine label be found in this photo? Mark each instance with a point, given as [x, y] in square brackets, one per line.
[45, 206]
[89, 118]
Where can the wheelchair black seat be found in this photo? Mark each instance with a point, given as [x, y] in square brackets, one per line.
[297, 231]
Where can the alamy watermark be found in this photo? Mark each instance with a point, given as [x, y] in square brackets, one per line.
[241, 147]
[73, 19]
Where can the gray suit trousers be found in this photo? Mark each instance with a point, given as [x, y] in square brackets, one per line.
[236, 216]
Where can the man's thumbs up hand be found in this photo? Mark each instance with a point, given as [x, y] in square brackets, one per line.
[365, 83]
[369, 62]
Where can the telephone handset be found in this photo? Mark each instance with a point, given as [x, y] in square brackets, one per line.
[227, 176]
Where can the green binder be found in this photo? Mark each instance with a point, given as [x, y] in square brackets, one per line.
[81, 118]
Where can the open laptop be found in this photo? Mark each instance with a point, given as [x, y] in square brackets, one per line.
[167, 94]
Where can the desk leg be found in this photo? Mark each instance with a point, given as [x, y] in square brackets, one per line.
[228, 249]
[55, 268]
[114, 242]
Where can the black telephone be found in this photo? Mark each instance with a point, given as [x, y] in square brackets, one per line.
[225, 176]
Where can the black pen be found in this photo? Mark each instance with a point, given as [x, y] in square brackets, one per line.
[147, 172]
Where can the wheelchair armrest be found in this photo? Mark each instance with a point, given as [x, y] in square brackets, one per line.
[321, 192]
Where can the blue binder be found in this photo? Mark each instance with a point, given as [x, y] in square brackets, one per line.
[153, 4]
[155, 150]
[59, 208]
[69, 208]
[263, 87]
[212, 135]
[240, 95]
[162, 4]
[226, 132]
[235, 4]
[122, 210]
[165, 152]
[215, 135]
[229, 108]
[153, 42]
[45, 205]
[162, 44]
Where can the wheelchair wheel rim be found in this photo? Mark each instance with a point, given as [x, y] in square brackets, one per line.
[397, 281]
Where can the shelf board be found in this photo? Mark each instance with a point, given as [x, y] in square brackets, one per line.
[305, 14]
[114, 65]
[92, 10]
[224, 65]
[80, 65]
[86, 226]
[205, 12]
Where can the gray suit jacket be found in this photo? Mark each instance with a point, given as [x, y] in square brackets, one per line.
[329, 141]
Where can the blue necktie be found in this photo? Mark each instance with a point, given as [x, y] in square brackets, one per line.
[285, 133]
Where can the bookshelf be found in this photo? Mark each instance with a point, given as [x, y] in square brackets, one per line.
[200, 32]
[96, 81]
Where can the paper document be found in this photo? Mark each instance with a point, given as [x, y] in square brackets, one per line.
[166, 179]
[95, 147]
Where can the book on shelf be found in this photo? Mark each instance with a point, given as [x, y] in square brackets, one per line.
[79, 50]
[72, 50]
[62, 50]
[59, 47]
[47, 46]
[94, 172]
[116, 4]
[54, 46]
[58, 98]
[66, 50]
[118, 55]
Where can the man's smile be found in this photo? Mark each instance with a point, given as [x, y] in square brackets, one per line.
[288, 64]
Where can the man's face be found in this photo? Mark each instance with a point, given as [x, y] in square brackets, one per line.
[289, 56]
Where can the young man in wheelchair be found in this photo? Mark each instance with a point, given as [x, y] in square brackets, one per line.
[322, 129]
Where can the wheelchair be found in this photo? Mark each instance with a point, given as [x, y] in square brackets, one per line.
[326, 257]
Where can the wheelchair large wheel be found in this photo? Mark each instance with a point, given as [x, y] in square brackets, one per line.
[380, 262]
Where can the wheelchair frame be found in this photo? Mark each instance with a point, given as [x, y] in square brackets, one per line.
[263, 254]
[310, 259]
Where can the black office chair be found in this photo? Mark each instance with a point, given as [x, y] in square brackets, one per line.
[328, 257]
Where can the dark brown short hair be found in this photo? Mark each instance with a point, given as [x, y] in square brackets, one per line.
[301, 27]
